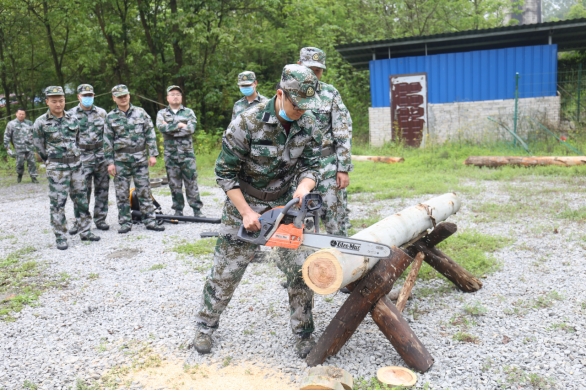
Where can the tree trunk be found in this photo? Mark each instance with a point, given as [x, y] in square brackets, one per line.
[390, 321]
[377, 283]
[381, 159]
[409, 282]
[497, 161]
[328, 270]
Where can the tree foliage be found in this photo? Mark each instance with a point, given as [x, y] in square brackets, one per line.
[202, 45]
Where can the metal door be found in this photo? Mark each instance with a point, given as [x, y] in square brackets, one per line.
[409, 107]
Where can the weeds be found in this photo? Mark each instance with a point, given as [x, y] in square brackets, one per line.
[475, 309]
[370, 384]
[516, 378]
[196, 249]
[226, 362]
[158, 266]
[562, 326]
[463, 336]
[93, 276]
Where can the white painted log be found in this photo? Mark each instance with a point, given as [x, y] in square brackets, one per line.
[328, 270]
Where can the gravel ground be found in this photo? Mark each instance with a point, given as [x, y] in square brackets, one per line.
[116, 311]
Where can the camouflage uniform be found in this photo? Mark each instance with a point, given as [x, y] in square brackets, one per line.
[126, 136]
[95, 166]
[336, 127]
[179, 156]
[246, 78]
[55, 140]
[21, 136]
[257, 150]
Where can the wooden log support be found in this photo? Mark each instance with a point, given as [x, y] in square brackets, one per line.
[409, 282]
[328, 270]
[390, 321]
[462, 278]
[498, 161]
[380, 159]
[377, 283]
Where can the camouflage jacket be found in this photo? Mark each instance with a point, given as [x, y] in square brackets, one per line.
[133, 129]
[242, 104]
[176, 139]
[20, 134]
[57, 138]
[256, 149]
[335, 124]
[91, 132]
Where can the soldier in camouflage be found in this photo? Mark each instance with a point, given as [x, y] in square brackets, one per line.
[19, 132]
[335, 124]
[270, 155]
[177, 125]
[247, 84]
[128, 132]
[91, 143]
[55, 137]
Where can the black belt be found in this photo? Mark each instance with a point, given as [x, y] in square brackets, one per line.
[261, 195]
[131, 150]
[328, 151]
[91, 147]
[68, 160]
[167, 137]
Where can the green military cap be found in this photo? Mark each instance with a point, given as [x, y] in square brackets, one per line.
[85, 89]
[312, 57]
[120, 90]
[246, 78]
[54, 91]
[171, 88]
[302, 85]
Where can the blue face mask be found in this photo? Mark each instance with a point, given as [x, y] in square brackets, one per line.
[87, 101]
[247, 91]
[282, 113]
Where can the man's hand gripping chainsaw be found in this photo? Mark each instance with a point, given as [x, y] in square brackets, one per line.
[294, 228]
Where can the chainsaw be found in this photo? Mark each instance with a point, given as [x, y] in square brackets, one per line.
[294, 228]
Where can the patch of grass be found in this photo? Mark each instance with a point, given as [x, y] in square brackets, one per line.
[520, 307]
[562, 326]
[80, 384]
[195, 370]
[547, 300]
[463, 336]
[248, 332]
[573, 214]
[476, 309]
[463, 322]
[517, 378]
[487, 364]
[93, 276]
[158, 266]
[226, 362]
[371, 384]
[143, 357]
[29, 385]
[435, 291]
[328, 299]
[206, 193]
[196, 249]
[366, 221]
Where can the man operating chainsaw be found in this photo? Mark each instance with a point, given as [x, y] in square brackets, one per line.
[270, 155]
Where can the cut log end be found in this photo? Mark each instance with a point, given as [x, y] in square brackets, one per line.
[322, 272]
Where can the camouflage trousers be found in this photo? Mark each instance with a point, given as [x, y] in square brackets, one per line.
[333, 210]
[232, 256]
[139, 173]
[97, 174]
[183, 169]
[62, 183]
[31, 161]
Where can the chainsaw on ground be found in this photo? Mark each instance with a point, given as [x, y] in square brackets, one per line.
[294, 228]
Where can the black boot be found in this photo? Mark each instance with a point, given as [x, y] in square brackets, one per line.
[202, 343]
[19, 179]
[304, 345]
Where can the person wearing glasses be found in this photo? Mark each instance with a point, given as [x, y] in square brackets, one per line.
[247, 83]
[128, 132]
[177, 125]
[270, 155]
[335, 123]
[55, 138]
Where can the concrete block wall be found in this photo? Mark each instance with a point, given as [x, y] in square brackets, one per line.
[469, 120]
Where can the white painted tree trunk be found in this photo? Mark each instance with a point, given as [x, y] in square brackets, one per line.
[328, 270]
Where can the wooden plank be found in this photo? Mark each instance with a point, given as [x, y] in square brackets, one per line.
[409, 282]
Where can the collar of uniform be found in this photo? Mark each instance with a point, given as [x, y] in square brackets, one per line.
[130, 107]
[181, 107]
[80, 109]
[51, 116]
[269, 114]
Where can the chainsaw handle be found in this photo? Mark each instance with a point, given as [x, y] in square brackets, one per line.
[311, 202]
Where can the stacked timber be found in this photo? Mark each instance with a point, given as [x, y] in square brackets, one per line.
[531, 161]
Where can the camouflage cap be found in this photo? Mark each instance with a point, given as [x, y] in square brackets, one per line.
[85, 89]
[312, 57]
[120, 90]
[54, 91]
[302, 86]
[246, 78]
[171, 88]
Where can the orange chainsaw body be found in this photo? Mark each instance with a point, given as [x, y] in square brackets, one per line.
[286, 236]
